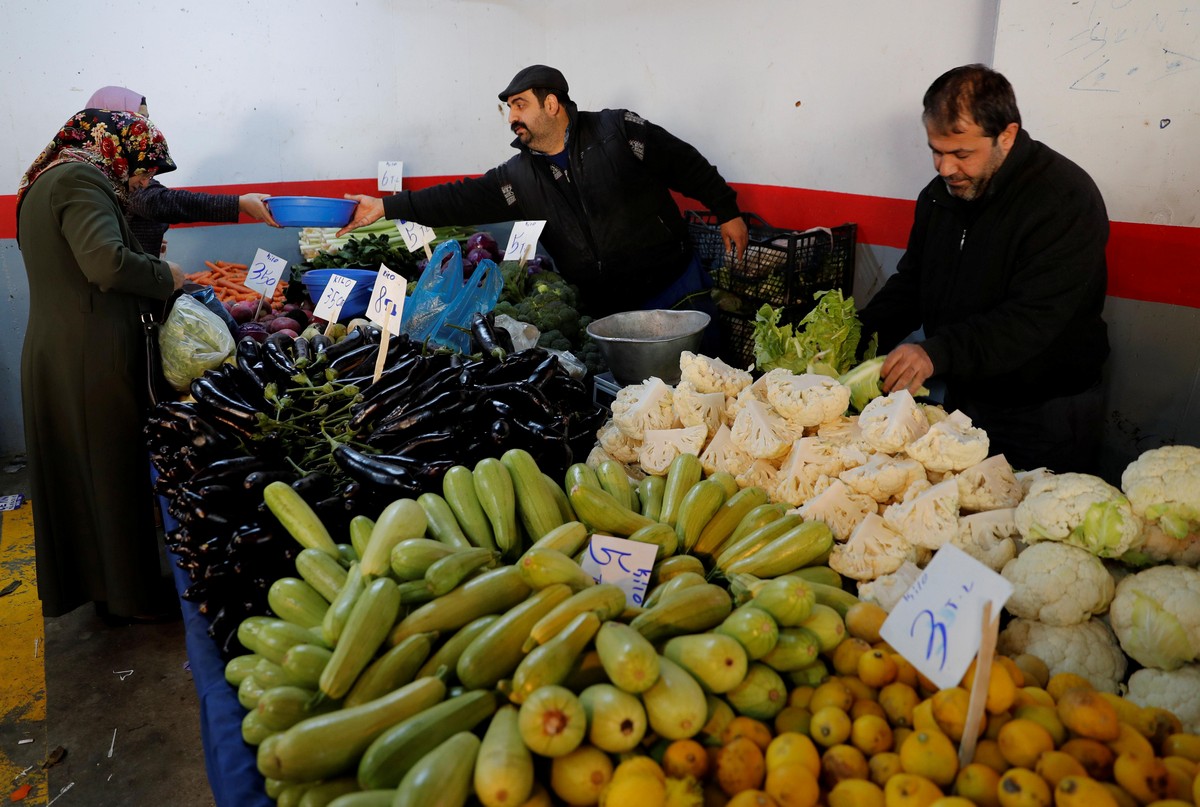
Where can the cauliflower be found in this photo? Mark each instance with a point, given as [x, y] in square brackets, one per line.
[1088, 649]
[706, 374]
[1163, 486]
[695, 408]
[891, 422]
[844, 431]
[1079, 509]
[839, 507]
[722, 454]
[934, 413]
[874, 549]
[760, 473]
[882, 477]
[989, 537]
[1028, 478]
[952, 444]
[1174, 691]
[643, 406]
[1158, 547]
[988, 485]
[597, 456]
[807, 399]
[616, 444]
[888, 589]
[760, 432]
[1156, 616]
[929, 519]
[1058, 584]
[810, 460]
[662, 446]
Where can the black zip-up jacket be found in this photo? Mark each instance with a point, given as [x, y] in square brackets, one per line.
[1010, 287]
[612, 226]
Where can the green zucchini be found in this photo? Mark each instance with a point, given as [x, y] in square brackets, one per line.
[392, 670]
[801, 545]
[276, 637]
[325, 793]
[296, 601]
[650, 495]
[254, 731]
[445, 658]
[698, 506]
[322, 572]
[685, 470]
[581, 474]
[458, 489]
[282, 707]
[443, 526]
[442, 777]
[536, 506]
[339, 610]
[598, 509]
[568, 538]
[412, 557]
[298, 518]
[495, 653]
[360, 533]
[370, 620]
[238, 667]
[494, 489]
[565, 511]
[446, 574]
[722, 524]
[304, 664]
[399, 521]
[613, 479]
[493, 591]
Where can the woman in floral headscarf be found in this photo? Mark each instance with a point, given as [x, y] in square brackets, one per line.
[83, 371]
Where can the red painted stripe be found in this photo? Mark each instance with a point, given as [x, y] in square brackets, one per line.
[1149, 262]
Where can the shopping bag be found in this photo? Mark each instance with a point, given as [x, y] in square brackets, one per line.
[439, 284]
[192, 340]
[478, 296]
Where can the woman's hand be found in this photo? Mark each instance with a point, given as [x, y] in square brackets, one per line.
[735, 237]
[369, 210]
[254, 206]
[177, 275]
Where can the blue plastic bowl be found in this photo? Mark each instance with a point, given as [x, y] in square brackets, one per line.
[311, 211]
[315, 281]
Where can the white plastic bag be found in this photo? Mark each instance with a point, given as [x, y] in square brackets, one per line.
[192, 340]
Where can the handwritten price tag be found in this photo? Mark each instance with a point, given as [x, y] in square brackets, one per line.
[329, 307]
[623, 563]
[390, 174]
[415, 235]
[387, 300]
[522, 241]
[937, 625]
[264, 272]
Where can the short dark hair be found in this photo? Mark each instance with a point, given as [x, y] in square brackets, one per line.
[540, 93]
[972, 91]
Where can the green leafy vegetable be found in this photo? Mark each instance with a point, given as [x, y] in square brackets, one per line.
[825, 341]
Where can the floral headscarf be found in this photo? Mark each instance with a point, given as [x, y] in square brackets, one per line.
[120, 144]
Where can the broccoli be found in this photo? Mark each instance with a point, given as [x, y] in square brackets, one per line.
[554, 340]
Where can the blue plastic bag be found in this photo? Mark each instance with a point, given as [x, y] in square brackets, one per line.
[439, 284]
[478, 296]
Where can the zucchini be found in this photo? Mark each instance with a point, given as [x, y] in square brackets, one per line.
[797, 547]
[495, 653]
[370, 620]
[238, 667]
[569, 538]
[630, 661]
[722, 524]
[536, 506]
[304, 663]
[489, 593]
[326, 745]
[399, 521]
[565, 511]
[392, 670]
[360, 533]
[347, 555]
[684, 471]
[282, 707]
[441, 778]
[551, 663]
[254, 731]
[692, 610]
[269, 674]
[605, 600]
[325, 793]
[394, 752]
[446, 657]
[444, 575]
[365, 798]
[697, 507]
[292, 793]
[458, 489]
[614, 481]
[756, 539]
[504, 773]
[298, 518]
[412, 557]
[443, 526]
[819, 574]
[249, 691]
[834, 596]
[322, 572]
[296, 601]
[494, 489]
[662, 535]
[727, 481]
[580, 474]
[276, 637]
[544, 567]
[685, 579]
[758, 517]
[667, 568]
[604, 513]
[339, 609]
[650, 495]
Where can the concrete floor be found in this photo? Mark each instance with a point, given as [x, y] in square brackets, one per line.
[119, 700]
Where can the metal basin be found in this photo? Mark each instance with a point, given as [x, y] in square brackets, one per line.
[640, 344]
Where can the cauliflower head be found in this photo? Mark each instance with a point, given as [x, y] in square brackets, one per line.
[1158, 547]
[759, 473]
[1079, 509]
[806, 399]
[1088, 649]
[760, 432]
[695, 408]
[617, 444]
[1163, 486]
[811, 460]
[722, 454]
[989, 537]
[648, 405]
[840, 508]
[1058, 584]
[889, 423]
[706, 374]
[888, 589]
[952, 444]
[988, 485]
[1175, 691]
[929, 519]
[844, 431]
[1156, 616]
[883, 477]
[873, 549]
[662, 446]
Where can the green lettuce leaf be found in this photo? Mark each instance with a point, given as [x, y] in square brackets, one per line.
[825, 341]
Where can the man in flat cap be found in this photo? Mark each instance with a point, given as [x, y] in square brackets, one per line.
[602, 182]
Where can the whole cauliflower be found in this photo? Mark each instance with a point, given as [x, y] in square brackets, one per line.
[1088, 649]
[1058, 584]
[760, 432]
[806, 399]
[1158, 547]
[707, 374]
[695, 408]
[873, 549]
[883, 477]
[617, 444]
[929, 519]
[648, 405]
[661, 446]
[1079, 509]
[952, 444]
[889, 423]
[989, 537]
[722, 454]
[1174, 691]
[1163, 486]
[840, 508]
[1156, 616]
[988, 485]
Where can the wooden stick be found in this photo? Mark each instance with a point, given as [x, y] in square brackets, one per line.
[383, 344]
[524, 256]
[979, 687]
[328, 327]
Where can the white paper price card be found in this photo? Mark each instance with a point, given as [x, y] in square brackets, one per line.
[390, 174]
[329, 307]
[938, 623]
[264, 272]
[623, 563]
[387, 300]
[415, 235]
[522, 241]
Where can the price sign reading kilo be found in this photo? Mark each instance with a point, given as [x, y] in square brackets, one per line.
[264, 272]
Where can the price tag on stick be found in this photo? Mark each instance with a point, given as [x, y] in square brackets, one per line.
[264, 274]
[391, 172]
[329, 307]
[522, 241]
[937, 625]
[386, 308]
[416, 236]
[623, 563]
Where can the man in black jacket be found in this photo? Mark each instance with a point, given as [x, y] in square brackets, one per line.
[602, 182]
[1005, 271]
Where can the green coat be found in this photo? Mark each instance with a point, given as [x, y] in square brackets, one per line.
[83, 395]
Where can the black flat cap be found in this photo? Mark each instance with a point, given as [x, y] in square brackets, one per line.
[536, 75]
